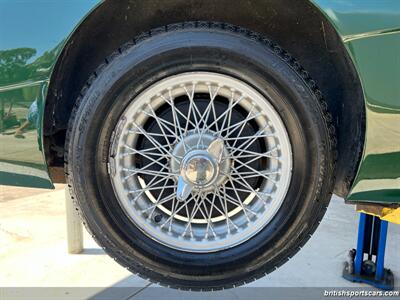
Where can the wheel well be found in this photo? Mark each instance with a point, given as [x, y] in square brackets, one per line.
[297, 26]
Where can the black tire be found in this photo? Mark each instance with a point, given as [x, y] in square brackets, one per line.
[208, 47]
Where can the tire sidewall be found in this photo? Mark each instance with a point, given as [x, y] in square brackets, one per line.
[186, 51]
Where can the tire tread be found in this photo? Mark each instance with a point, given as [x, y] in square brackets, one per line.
[140, 269]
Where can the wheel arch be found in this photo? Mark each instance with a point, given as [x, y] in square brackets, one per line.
[311, 39]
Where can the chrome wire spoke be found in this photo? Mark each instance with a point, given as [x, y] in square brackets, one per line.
[246, 175]
[150, 184]
[213, 204]
[146, 172]
[152, 140]
[241, 127]
[254, 157]
[194, 109]
[146, 153]
[156, 188]
[251, 154]
[176, 210]
[261, 174]
[241, 181]
[225, 213]
[156, 143]
[178, 127]
[160, 202]
[245, 145]
[175, 204]
[196, 207]
[153, 134]
[216, 119]
[175, 111]
[239, 201]
[238, 189]
[191, 167]
[246, 137]
[148, 156]
[232, 128]
[224, 202]
[210, 107]
[190, 95]
[161, 124]
[152, 163]
[233, 201]
[204, 215]
[209, 213]
[228, 116]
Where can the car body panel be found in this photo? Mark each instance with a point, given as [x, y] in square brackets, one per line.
[370, 31]
[28, 54]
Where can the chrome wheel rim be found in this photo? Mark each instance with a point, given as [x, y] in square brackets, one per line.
[200, 161]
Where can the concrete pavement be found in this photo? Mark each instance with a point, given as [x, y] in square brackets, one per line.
[33, 253]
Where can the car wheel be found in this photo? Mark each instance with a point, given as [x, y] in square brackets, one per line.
[200, 156]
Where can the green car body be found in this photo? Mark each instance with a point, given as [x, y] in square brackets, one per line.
[34, 34]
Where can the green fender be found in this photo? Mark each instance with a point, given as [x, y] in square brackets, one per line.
[29, 50]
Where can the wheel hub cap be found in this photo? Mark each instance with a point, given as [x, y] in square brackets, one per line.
[198, 170]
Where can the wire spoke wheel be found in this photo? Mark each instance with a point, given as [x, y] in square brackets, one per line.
[200, 157]
[201, 162]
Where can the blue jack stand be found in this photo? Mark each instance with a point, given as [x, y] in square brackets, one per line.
[371, 242]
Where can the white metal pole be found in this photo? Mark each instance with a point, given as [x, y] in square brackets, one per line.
[74, 226]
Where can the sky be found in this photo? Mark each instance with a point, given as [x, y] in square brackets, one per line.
[39, 24]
